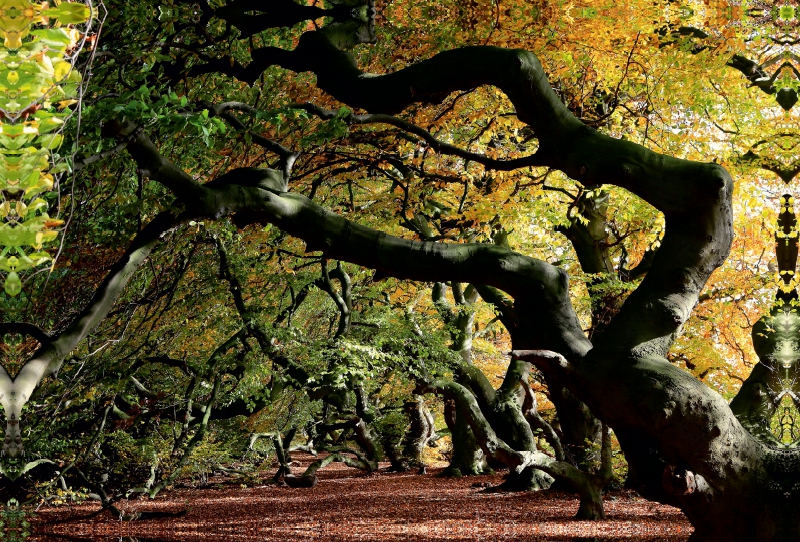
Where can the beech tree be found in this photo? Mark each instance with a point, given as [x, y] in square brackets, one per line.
[684, 443]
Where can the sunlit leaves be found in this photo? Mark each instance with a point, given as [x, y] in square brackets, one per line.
[169, 113]
[37, 84]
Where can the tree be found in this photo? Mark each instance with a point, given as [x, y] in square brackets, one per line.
[684, 444]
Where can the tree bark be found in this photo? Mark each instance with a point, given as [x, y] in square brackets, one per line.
[16, 392]
[420, 431]
[467, 458]
[681, 438]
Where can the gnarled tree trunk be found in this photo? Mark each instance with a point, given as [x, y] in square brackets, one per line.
[683, 443]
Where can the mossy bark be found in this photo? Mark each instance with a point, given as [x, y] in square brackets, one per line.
[467, 457]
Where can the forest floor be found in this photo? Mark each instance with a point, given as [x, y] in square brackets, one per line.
[348, 504]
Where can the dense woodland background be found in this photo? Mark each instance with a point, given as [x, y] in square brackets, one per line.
[235, 343]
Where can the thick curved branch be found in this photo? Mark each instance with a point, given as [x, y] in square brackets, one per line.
[254, 200]
[14, 393]
[652, 401]
[151, 162]
[545, 359]
[513, 273]
[694, 197]
[531, 412]
[586, 484]
[342, 299]
[486, 437]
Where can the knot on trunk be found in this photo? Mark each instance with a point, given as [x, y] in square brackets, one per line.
[678, 481]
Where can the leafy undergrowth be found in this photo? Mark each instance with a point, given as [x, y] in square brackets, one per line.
[350, 505]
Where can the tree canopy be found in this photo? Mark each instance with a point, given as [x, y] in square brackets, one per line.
[509, 230]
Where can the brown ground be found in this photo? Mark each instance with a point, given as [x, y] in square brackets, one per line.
[349, 505]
